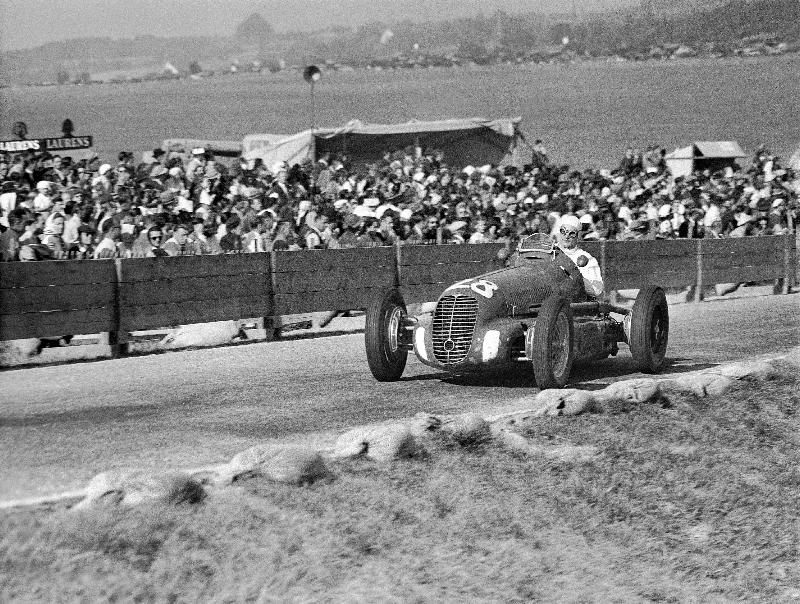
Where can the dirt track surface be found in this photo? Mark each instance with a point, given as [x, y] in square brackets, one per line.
[61, 425]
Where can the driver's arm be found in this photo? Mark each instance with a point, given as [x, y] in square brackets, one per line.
[592, 278]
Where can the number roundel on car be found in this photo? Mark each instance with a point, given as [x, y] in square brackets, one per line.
[484, 288]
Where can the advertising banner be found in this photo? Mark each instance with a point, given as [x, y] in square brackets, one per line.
[54, 144]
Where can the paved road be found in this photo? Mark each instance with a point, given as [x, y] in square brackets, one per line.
[60, 425]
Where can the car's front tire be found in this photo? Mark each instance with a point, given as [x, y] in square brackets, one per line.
[649, 330]
[550, 346]
[385, 320]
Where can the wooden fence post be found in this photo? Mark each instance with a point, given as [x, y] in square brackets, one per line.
[699, 284]
[397, 256]
[788, 269]
[272, 323]
[611, 296]
[117, 338]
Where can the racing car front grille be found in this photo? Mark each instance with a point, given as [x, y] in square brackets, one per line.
[453, 324]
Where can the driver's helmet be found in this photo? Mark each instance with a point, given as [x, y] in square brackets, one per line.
[538, 244]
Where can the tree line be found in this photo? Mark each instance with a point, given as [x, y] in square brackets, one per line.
[483, 38]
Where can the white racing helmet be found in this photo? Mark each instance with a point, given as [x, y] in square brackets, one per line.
[571, 222]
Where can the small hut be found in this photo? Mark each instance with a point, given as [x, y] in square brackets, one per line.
[704, 155]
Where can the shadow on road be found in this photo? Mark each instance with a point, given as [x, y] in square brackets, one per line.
[101, 414]
[584, 375]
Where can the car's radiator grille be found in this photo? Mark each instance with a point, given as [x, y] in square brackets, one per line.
[453, 324]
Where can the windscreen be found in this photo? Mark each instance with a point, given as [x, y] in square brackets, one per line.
[538, 242]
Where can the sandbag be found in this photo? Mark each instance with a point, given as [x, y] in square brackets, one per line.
[638, 390]
[201, 334]
[378, 443]
[467, 429]
[288, 464]
[132, 487]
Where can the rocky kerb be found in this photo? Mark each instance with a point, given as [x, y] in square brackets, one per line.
[403, 439]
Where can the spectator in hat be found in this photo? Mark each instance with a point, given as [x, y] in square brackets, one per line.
[8, 198]
[251, 237]
[776, 219]
[59, 170]
[745, 224]
[174, 181]
[457, 230]
[72, 221]
[314, 224]
[34, 225]
[102, 182]
[44, 198]
[387, 228]
[279, 184]
[266, 228]
[351, 228]
[231, 242]
[665, 227]
[51, 237]
[83, 249]
[196, 166]
[203, 237]
[124, 177]
[285, 237]
[158, 173]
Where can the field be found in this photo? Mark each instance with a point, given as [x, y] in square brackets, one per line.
[585, 113]
[687, 500]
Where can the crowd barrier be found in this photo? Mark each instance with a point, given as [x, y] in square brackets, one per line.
[53, 298]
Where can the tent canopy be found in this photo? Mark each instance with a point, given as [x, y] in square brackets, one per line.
[462, 141]
[702, 155]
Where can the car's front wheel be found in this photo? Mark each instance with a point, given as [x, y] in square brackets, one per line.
[649, 330]
[548, 343]
[383, 335]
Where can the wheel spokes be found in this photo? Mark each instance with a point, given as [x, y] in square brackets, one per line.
[393, 328]
[658, 333]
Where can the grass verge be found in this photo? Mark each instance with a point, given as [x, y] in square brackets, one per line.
[691, 499]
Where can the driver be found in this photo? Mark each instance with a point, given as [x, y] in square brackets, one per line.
[567, 238]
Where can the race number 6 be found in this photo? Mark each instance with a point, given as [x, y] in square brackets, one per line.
[484, 288]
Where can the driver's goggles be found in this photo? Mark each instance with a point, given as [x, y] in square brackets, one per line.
[568, 233]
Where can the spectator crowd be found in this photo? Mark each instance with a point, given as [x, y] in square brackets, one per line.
[174, 204]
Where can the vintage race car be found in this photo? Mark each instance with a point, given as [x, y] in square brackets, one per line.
[534, 311]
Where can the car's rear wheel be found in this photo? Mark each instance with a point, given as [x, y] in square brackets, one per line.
[649, 330]
[383, 336]
[549, 343]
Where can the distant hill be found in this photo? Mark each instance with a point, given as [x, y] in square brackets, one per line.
[617, 27]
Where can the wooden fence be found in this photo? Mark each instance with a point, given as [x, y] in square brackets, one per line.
[53, 298]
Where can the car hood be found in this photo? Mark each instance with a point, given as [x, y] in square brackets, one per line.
[513, 290]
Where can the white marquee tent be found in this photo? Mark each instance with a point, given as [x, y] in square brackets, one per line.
[463, 141]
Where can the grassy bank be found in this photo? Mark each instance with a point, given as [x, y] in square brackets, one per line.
[687, 500]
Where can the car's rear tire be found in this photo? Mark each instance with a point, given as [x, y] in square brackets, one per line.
[550, 346]
[386, 355]
[649, 330]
